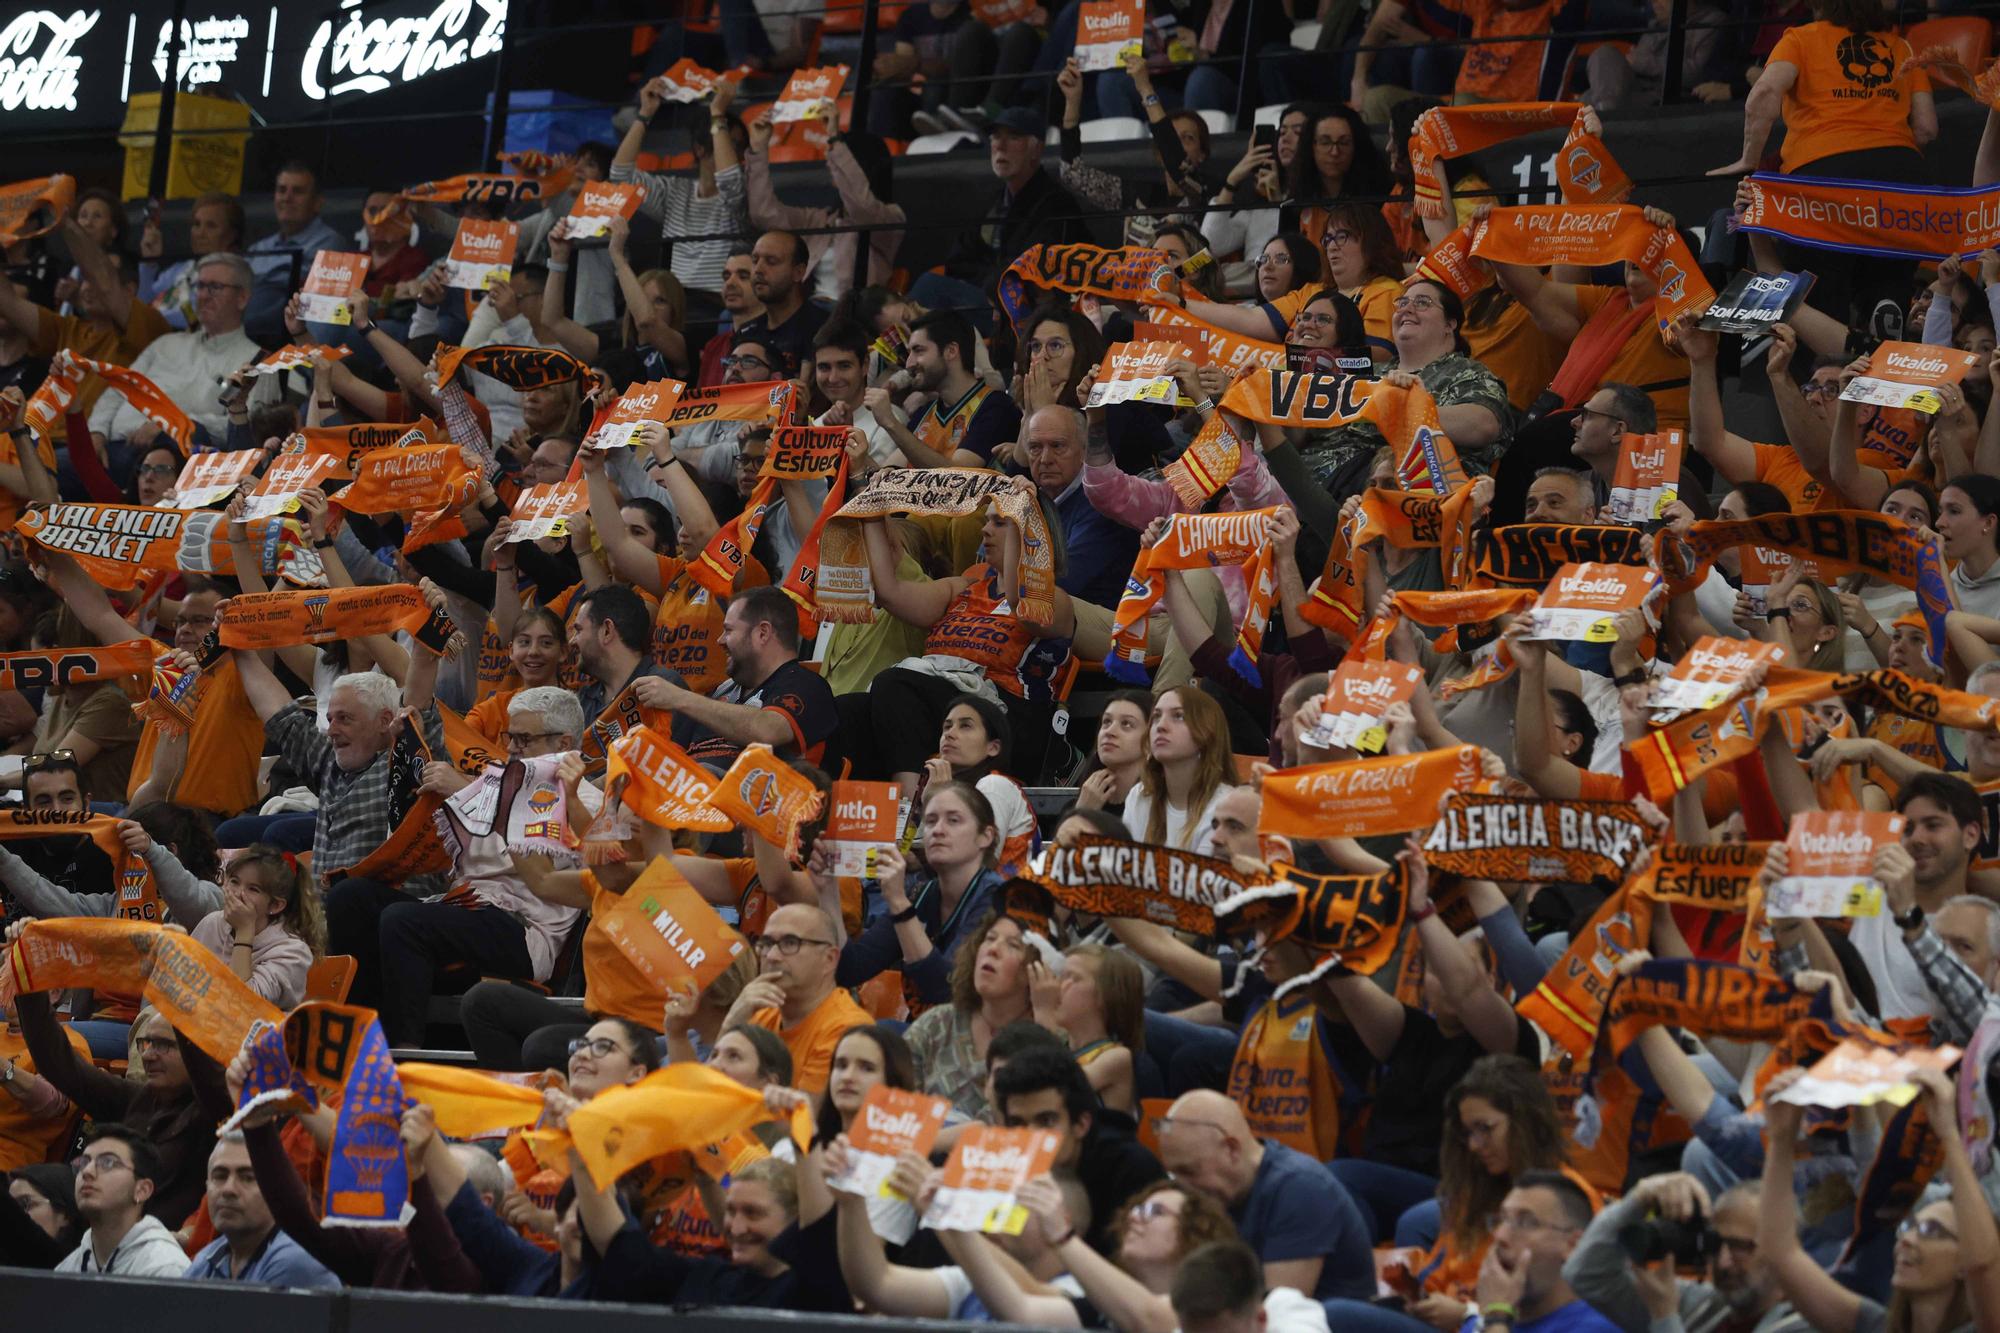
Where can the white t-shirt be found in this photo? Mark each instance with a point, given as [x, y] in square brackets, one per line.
[958, 1290]
[1899, 982]
[1186, 829]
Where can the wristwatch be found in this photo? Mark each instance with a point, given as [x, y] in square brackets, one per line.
[7, 1074]
[1910, 920]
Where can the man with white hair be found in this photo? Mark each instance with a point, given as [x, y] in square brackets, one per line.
[489, 918]
[189, 367]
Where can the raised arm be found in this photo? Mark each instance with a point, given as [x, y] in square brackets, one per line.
[632, 561]
[1159, 946]
[1817, 1297]
[85, 600]
[1555, 778]
[921, 603]
[1552, 306]
[1734, 457]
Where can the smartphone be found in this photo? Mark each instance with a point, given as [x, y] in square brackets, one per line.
[1265, 136]
[154, 211]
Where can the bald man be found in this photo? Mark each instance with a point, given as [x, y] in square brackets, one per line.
[794, 995]
[1286, 1206]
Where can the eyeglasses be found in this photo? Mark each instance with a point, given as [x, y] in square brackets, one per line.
[1928, 1229]
[1321, 141]
[744, 359]
[1593, 412]
[35, 763]
[1341, 237]
[1743, 1250]
[144, 1044]
[1148, 1209]
[105, 1162]
[1417, 303]
[211, 288]
[1054, 347]
[1278, 257]
[1820, 389]
[599, 1047]
[1524, 1224]
[1313, 317]
[158, 470]
[788, 945]
[521, 740]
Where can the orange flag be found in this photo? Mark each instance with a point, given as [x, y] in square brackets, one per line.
[675, 1109]
[767, 796]
[661, 784]
[34, 208]
[470, 1104]
[426, 483]
[669, 933]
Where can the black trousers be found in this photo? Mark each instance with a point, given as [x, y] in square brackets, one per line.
[895, 726]
[401, 944]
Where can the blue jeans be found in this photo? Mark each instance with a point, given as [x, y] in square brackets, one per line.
[107, 1040]
[288, 832]
[1190, 1055]
[1345, 1315]
[1382, 1192]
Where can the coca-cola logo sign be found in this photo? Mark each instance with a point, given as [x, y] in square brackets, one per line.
[38, 68]
[371, 54]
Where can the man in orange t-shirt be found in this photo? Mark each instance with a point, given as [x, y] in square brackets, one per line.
[1799, 468]
[794, 995]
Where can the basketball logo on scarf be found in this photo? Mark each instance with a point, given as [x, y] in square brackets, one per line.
[1517, 838]
[1111, 877]
[767, 796]
[341, 1046]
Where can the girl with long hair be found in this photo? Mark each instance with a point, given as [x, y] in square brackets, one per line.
[1188, 764]
[1097, 1003]
[1118, 753]
[989, 990]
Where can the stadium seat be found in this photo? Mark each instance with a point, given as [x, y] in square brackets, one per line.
[942, 142]
[1970, 39]
[1305, 36]
[1110, 129]
[1218, 122]
[330, 977]
[1268, 115]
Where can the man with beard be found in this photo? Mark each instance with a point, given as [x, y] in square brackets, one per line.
[612, 635]
[769, 698]
[1739, 1293]
[966, 418]
[116, 1175]
[778, 264]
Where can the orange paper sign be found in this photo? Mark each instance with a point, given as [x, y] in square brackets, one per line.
[482, 253]
[327, 297]
[1831, 864]
[669, 933]
[653, 401]
[1105, 30]
[599, 202]
[1360, 693]
[862, 824]
[1908, 375]
[1366, 797]
[1584, 601]
[985, 1168]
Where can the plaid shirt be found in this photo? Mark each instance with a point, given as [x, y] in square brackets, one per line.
[353, 807]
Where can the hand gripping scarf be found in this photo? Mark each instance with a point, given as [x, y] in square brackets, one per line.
[412, 847]
[1206, 465]
[1527, 555]
[428, 484]
[1598, 234]
[57, 667]
[1470, 618]
[1944, 65]
[767, 796]
[674, 1109]
[34, 208]
[45, 408]
[1516, 838]
[1353, 921]
[1197, 541]
[797, 453]
[844, 594]
[524, 803]
[1837, 540]
[1443, 132]
[1231, 351]
[281, 619]
[1406, 520]
[1126, 274]
[1450, 264]
[1112, 877]
[763, 402]
[1363, 798]
[655, 779]
[1873, 218]
[622, 716]
[519, 368]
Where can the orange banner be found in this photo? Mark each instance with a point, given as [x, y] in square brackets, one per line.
[764, 402]
[767, 796]
[281, 619]
[1601, 234]
[34, 208]
[45, 408]
[806, 453]
[1366, 797]
[426, 483]
[116, 544]
[1445, 132]
[597, 203]
[59, 667]
[659, 783]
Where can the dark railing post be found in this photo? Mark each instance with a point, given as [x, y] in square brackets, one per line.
[1677, 38]
[496, 123]
[864, 78]
[163, 137]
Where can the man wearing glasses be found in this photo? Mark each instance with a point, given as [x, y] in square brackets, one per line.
[1523, 1286]
[115, 1176]
[709, 449]
[794, 995]
[189, 366]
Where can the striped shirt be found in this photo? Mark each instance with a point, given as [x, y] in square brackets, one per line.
[672, 199]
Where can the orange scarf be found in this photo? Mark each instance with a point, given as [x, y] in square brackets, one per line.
[1569, 1003]
[281, 619]
[1198, 541]
[519, 368]
[412, 847]
[1943, 63]
[59, 667]
[426, 483]
[675, 1109]
[192, 988]
[1126, 274]
[1112, 877]
[1598, 234]
[621, 717]
[1450, 265]
[34, 208]
[767, 796]
[1587, 172]
[486, 187]
[116, 544]
[656, 780]
[764, 402]
[1206, 465]
[66, 375]
[1366, 797]
[1405, 520]
[1453, 131]
[1517, 838]
[1353, 920]
[1231, 351]
[843, 592]
[1529, 554]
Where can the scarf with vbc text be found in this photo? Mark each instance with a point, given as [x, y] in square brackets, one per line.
[1197, 541]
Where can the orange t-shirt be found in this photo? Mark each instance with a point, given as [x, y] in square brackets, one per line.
[1282, 1079]
[1503, 71]
[223, 753]
[1645, 362]
[811, 1040]
[1849, 95]
[25, 1141]
[1378, 305]
[489, 716]
[1524, 357]
[687, 628]
[1779, 465]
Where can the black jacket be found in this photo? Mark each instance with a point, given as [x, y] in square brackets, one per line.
[1043, 213]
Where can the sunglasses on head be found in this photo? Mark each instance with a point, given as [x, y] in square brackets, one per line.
[35, 763]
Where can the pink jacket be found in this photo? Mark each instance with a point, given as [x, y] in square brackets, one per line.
[1137, 501]
[858, 204]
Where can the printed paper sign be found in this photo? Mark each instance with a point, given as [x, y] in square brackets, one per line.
[1138, 372]
[1761, 566]
[687, 81]
[481, 254]
[669, 933]
[804, 92]
[861, 827]
[1908, 375]
[597, 202]
[1360, 693]
[300, 356]
[1753, 302]
[1647, 478]
[1832, 864]
[891, 1122]
[1857, 1074]
[210, 479]
[1106, 30]
[287, 476]
[545, 511]
[327, 297]
[985, 1169]
[1583, 602]
[636, 406]
[1709, 675]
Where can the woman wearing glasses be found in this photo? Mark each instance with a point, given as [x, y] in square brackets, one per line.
[1946, 1277]
[1363, 264]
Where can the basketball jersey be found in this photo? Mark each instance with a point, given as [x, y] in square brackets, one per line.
[1284, 1081]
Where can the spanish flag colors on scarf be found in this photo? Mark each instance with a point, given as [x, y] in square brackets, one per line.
[1197, 541]
[1207, 464]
